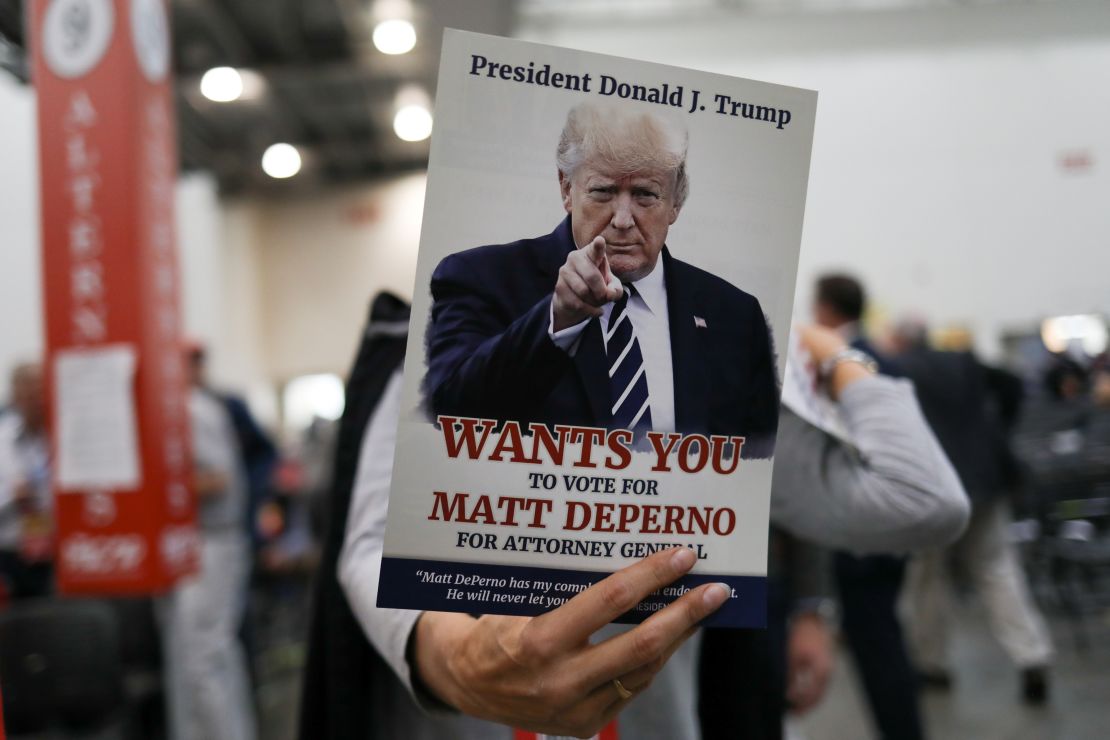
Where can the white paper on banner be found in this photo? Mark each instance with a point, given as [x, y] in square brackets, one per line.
[97, 430]
[801, 394]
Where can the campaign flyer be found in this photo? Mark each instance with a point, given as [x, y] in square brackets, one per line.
[607, 265]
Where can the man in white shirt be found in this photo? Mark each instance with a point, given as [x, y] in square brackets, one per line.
[208, 693]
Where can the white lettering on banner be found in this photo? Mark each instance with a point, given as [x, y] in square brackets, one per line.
[88, 304]
[103, 554]
[158, 171]
[100, 508]
[90, 324]
[81, 112]
[174, 452]
[84, 237]
[88, 282]
[78, 155]
[83, 189]
[177, 496]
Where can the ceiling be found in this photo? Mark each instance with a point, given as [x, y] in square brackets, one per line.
[324, 87]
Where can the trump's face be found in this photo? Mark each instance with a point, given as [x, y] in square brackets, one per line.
[632, 212]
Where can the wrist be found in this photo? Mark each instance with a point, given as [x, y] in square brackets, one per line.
[563, 320]
[844, 355]
[436, 638]
[844, 367]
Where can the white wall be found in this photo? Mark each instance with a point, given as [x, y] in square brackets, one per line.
[21, 324]
[321, 260]
[935, 172]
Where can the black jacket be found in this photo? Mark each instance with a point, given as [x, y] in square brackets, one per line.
[971, 408]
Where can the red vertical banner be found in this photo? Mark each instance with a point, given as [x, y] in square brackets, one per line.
[124, 509]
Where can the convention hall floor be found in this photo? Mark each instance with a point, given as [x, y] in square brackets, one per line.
[983, 704]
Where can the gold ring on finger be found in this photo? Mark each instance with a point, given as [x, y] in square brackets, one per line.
[624, 693]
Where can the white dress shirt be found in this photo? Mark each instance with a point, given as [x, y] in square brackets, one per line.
[647, 310]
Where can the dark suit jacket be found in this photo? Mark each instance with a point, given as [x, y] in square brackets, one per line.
[344, 676]
[886, 365]
[489, 353]
[969, 407]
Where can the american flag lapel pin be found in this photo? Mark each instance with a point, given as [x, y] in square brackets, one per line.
[699, 323]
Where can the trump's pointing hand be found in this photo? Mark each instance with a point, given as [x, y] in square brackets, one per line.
[585, 285]
[542, 673]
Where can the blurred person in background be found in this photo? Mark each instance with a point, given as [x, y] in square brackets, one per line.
[869, 585]
[259, 458]
[26, 499]
[972, 409]
[208, 692]
[1100, 385]
[1066, 380]
[259, 453]
[752, 679]
[387, 673]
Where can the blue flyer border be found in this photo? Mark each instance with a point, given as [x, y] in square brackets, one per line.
[403, 586]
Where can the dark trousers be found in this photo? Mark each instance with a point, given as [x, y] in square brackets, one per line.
[869, 588]
[742, 677]
[25, 580]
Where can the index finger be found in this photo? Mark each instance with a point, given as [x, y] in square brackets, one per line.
[573, 622]
[595, 250]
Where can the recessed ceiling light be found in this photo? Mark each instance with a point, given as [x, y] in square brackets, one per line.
[222, 84]
[413, 123]
[394, 36]
[281, 161]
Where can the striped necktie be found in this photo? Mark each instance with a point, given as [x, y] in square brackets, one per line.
[628, 387]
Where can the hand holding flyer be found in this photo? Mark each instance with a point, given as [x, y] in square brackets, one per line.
[544, 673]
[609, 389]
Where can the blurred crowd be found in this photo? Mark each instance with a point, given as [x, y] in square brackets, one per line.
[1030, 451]
[217, 635]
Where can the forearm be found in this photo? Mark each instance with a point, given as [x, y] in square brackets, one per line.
[897, 493]
[844, 375]
[388, 630]
[433, 637]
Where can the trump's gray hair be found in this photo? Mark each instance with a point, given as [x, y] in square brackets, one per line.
[626, 140]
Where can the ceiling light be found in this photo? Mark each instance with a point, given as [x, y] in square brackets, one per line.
[281, 161]
[222, 84]
[395, 36]
[1061, 333]
[413, 123]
